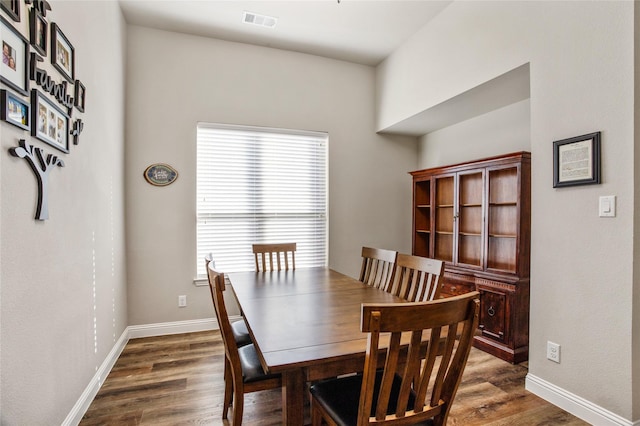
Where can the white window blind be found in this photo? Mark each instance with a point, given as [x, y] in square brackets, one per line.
[260, 185]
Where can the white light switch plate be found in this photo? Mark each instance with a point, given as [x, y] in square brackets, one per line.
[607, 207]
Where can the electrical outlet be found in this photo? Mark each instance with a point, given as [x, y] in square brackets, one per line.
[553, 352]
[182, 301]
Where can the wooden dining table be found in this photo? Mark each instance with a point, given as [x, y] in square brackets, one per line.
[305, 324]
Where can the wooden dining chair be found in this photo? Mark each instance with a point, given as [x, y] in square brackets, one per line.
[243, 372]
[281, 252]
[261, 253]
[238, 328]
[377, 267]
[416, 278]
[418, 388]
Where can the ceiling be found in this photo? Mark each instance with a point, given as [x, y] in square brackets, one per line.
[360, 31]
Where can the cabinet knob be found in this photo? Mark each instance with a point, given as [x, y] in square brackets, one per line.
[491, 311]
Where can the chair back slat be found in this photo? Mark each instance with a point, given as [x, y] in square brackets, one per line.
[416, 279]
[390, 369]
[280, 252]
[444, 363]
[427, 367]
[377, 267]
[370, 368]
[420, 395]
[410, 376]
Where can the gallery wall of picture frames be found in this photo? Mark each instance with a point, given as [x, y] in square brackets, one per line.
[39, 101]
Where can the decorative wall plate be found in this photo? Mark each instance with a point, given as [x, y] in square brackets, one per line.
[160, 174]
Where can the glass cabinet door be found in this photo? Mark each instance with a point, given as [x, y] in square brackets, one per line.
[444, 217]
[470, 218]
[503, 219]
[422, 218]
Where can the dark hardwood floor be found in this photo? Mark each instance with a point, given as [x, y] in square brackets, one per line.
[178, 379]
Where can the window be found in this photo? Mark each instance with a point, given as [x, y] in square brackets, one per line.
[260, 185]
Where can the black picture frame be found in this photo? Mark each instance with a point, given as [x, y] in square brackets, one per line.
[14, 71]
[49, 123]
[79, 95]
[62, 53]
[38, 30]
[15, 110]
[11, 8]
[576, 161]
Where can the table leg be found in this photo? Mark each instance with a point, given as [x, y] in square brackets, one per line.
[293, 397]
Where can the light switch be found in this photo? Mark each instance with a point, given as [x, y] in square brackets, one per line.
[608, 206]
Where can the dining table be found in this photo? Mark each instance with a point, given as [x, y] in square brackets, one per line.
[305, 325]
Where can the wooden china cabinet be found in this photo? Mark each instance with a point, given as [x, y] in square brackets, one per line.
[476, 216]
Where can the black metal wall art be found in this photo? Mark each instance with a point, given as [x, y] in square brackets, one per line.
[41, 167]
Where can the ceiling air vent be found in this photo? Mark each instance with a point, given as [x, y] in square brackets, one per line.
[260, 20]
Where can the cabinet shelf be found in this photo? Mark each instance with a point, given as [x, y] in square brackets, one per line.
[423, 231]
[423, 206]
[471, 205]
[444, 232]
[502, 236]
[504, 203]
[470, 234]
[444, 206]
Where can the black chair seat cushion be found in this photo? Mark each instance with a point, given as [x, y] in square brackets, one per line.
[251, 368]
[240, 333]
[341, 398]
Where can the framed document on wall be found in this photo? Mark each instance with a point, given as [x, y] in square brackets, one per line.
[576, 161]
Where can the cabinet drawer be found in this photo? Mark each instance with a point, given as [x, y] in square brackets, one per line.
[493, 315]
[452, 288]
[453, 284]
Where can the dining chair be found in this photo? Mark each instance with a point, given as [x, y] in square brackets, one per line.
[238, 328]
[416, 278]
[264, 251]
[377, 267]
[243, 372]
[416, 386]
[281, 252]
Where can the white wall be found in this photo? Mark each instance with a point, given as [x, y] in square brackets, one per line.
[63, 295]
[498, 132]
[581, 63]
[175, 80]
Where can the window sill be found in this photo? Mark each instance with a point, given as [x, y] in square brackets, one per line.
[204, 282]
[200, 282]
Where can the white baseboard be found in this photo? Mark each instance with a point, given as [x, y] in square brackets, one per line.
[133, 332]
[176, 327]
[83, 403]
[579, 407]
